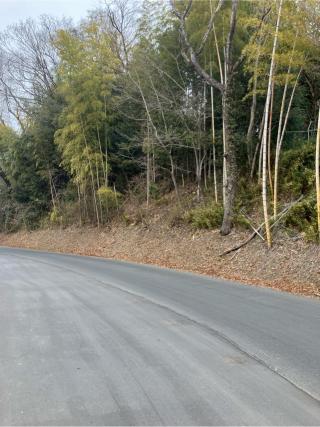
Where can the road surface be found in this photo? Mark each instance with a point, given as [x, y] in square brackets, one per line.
[87, 341]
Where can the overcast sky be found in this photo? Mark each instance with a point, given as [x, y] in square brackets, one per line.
[12, 11]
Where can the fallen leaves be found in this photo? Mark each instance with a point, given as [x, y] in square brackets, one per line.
[292, 266]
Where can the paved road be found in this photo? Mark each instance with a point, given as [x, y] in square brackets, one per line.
[88, 341]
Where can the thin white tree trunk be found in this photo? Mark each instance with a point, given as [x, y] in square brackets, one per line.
[269, 139]
[222, 73]
[260, 163]
[252, 110]
[148, 164]
[213, 148]
[224, 172]
[265, 134]
[280, 129]
[278, 148]
[106, 153]
[204, 130]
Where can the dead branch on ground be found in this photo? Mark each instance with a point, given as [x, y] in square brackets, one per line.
[260, 228]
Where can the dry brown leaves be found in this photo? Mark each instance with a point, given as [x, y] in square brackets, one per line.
[291, 265]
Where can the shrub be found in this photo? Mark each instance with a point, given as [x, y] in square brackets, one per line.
[248, 195]
[297, 170]
[63, 215]
[14, 215]
[241, 221]
[303, 217]
[55, 217]
[154, 191]
[207, 216]
[109, 198]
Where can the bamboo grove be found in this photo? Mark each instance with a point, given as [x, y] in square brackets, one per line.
[222, 95]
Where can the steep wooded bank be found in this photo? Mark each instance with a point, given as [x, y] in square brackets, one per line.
[136, 102]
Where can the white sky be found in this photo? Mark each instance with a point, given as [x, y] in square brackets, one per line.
[12, 11]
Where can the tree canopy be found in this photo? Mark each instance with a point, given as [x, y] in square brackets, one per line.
[169, 93]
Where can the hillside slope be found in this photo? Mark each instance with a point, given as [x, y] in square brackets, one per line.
[291, 265]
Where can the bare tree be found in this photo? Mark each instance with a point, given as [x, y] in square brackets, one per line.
[225, 88]
[28, 63]
[119, 19]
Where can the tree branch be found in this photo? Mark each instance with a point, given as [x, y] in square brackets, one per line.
[209, 28]
[233, 23]
[190, 55]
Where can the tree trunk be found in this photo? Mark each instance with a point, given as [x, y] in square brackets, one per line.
[230, 156]
[213, 148]
[269, 140]
[148, 164]
[260, 164]
[224, 161]
[148, 177]
[197, 156]
[230, 161]
[51, 189]
[190, 56]
[252, 113]
[79, 201]
[318, 173]
[106, 153]
[254, 160]
[258, 149]
[173, 177]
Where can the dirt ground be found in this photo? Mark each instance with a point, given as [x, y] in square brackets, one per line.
[291, 265]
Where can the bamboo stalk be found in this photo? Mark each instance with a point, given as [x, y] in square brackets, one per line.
[265, 133]
[278, 148]
[213, 147]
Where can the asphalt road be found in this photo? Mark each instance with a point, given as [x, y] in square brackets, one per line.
[86, 341]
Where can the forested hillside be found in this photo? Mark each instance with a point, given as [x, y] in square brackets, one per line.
[214, 102]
